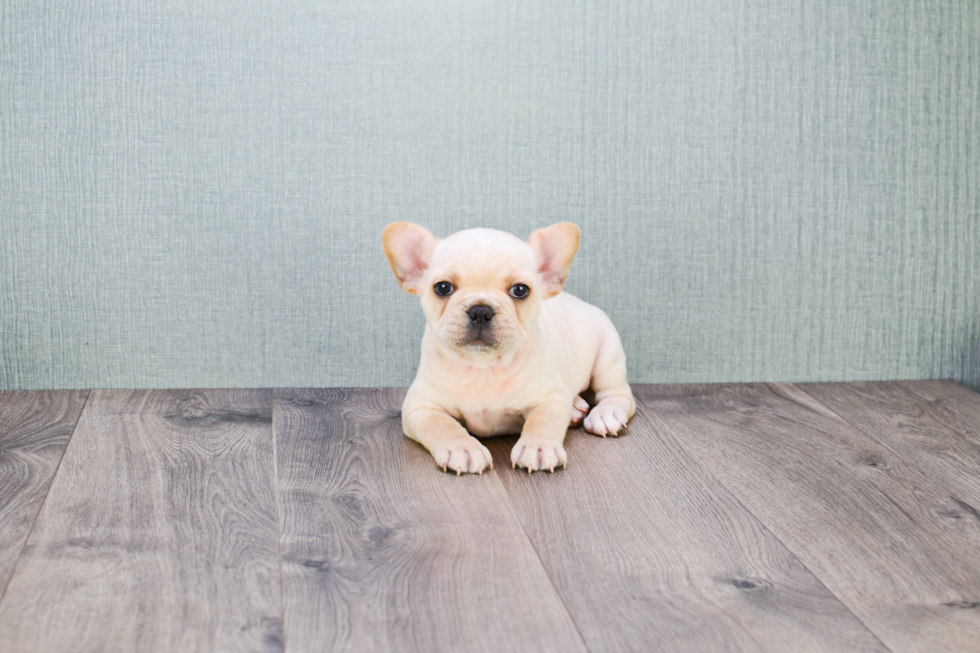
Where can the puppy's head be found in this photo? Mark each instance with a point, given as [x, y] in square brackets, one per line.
[481, 289]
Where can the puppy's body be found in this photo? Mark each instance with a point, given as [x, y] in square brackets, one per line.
[496, 363]
[558, 361]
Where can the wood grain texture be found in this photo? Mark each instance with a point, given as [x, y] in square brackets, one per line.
[650, 553]
[954, 406]
[871, 526]
[35, 428]
[932, 435]
[159, 531]
[381, 551]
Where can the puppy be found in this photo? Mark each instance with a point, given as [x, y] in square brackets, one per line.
[505, 350]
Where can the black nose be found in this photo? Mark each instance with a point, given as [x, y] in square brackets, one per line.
[480, 314]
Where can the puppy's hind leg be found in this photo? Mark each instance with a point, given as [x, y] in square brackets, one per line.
[580, 408]
[614, 399]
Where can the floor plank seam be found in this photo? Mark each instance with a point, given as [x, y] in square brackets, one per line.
[762, 523]
[47, 493]
[275, 481]
[547, 573]
[883, 443]
[937, 404]
[854, 426]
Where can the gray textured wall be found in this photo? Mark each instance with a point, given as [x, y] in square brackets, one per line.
[193, 192]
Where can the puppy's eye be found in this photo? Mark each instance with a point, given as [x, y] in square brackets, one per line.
[519, 291]
[444, 288]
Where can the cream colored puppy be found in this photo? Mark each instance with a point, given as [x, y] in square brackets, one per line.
[505, 350]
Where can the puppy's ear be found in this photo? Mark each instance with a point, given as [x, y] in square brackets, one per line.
[554, 248]
[409, 249]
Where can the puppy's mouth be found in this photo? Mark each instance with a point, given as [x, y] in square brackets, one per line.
[481, 340]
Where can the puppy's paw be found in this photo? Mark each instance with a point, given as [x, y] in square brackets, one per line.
[462, 455]
[580, 408]
[606, 418]
[534, 453]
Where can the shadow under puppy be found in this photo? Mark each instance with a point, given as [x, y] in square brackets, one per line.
[505, 350]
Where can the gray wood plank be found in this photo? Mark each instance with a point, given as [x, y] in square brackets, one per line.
[650, 553]
[35, 427]
[159, 532]
[922, 432]
[867, 523]
[951, 404]
[383, 551]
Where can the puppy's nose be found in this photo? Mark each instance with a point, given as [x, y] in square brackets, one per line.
[481, 314]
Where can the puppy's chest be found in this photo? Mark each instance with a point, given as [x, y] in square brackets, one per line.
[488, 405]
[484, 421]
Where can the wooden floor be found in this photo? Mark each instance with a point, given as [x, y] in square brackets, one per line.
[827, 517]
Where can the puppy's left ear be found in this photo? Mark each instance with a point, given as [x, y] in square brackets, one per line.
[409, 249]
[554, 248]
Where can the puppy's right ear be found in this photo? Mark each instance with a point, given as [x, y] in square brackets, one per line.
[409, 249]
[554, 248]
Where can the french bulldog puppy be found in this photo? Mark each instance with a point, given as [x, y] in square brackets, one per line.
[505, 350]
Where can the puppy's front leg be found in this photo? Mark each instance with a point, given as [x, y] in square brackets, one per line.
[447, 441]
[539, 446]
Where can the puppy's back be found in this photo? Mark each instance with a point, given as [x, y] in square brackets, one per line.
[577, 331]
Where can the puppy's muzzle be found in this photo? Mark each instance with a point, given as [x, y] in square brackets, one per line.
[480, 315]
